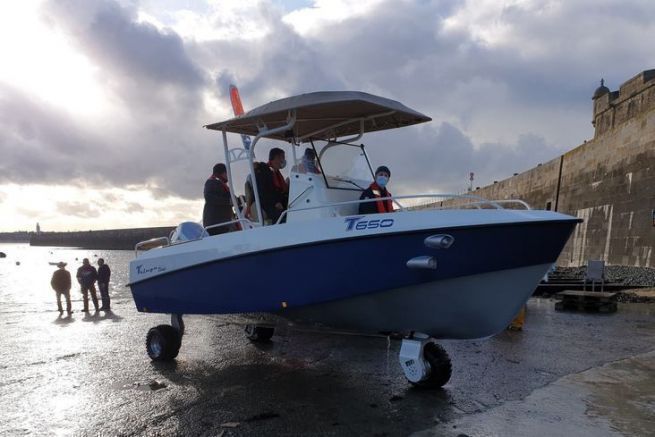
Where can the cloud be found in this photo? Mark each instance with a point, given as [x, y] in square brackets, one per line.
[78, 209]
[433, 159]
[141, 62]
[508, 84]
[131, 207]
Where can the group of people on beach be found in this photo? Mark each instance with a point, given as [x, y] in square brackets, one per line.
[87, 276]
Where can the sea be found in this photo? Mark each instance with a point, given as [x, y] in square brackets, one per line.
[26, 271]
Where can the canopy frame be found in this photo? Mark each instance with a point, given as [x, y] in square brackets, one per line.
[268, 123]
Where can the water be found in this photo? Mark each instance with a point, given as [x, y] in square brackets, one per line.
[52, 366]
[26, 287]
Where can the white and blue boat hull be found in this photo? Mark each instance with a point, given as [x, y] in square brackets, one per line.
[352, 272]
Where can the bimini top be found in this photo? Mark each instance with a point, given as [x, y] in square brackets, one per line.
[323, 115]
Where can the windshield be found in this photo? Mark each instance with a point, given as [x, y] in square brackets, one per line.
[344, 162]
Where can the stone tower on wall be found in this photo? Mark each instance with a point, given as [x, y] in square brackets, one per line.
[612, 108]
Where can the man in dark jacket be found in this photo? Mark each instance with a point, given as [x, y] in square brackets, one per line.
[272, 187]
[61, 283]
[218, 202]
[104, 272]
[377, 190]
[87, 276]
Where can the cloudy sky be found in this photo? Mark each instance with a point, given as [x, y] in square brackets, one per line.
[102, 102]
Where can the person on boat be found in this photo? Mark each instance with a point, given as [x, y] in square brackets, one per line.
[272, 187]
[218, 202]
[377, 190]
[87, 276]
[61, 283]
[308, 163]
[104, 272]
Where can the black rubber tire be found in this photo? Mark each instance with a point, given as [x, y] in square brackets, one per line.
[163, 343]
[259, 334]
[440, 366]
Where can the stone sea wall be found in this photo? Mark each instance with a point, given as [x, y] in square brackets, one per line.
[608, 181]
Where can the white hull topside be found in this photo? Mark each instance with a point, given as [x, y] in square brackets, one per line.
[168, 259]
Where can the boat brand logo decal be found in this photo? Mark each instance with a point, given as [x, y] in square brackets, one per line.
[140, 270]
[358, 224]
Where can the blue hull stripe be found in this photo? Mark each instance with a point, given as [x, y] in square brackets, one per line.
[332, 270]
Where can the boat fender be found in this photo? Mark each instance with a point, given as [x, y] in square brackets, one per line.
[422, 262]
[441, 241]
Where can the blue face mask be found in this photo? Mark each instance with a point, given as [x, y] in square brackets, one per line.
[381, 181]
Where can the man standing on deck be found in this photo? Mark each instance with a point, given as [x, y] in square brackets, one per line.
[218, 202]
[273, 188]
[61, 283]
[104, 272]
[87, 276]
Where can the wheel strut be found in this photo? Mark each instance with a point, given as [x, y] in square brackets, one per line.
[178, 323]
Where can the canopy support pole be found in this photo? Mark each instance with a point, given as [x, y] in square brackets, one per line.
[264, 131]
[229, 178]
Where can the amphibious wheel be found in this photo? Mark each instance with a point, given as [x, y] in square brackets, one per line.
[163, 343]
[424, 362]
[440, 366]
[259, 334]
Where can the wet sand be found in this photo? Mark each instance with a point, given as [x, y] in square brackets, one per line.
[566, 373]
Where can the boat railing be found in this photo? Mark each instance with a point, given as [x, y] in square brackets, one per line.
[167, 241]
[478, 203]
[246, 224]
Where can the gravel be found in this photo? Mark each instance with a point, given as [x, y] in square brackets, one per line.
[626, 275]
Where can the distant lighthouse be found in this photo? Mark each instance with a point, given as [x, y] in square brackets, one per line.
[38, 228]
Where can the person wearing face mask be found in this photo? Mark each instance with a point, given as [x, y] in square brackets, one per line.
[272, 187]
[377, 190]
[308, 163]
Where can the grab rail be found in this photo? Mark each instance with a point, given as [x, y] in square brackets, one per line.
[480, 201]
[249, 224]
[165, 241]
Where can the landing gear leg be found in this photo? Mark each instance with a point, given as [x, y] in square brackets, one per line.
[424, 362]
[163, 342]
[178, 323]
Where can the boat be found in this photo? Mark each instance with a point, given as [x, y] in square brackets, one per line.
[455, 267]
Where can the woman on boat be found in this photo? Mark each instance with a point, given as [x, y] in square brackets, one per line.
[377, 190]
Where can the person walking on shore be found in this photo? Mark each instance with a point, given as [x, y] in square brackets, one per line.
[104, 272]
[61, 283]
[87, 276]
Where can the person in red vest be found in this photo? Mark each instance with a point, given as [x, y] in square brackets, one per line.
[218, 202]
[377, 190]
[273, 188]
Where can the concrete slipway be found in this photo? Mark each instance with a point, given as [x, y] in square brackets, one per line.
[565, 374]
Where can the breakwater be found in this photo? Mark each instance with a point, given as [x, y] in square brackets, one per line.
[15, 237]
[114, 239]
